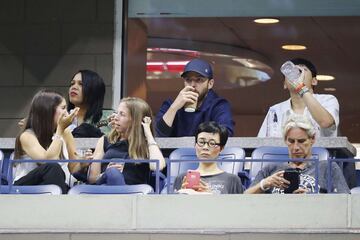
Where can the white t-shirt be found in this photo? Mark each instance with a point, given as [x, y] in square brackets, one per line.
[278, 114]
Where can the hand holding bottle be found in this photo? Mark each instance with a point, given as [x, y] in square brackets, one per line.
[295, 77]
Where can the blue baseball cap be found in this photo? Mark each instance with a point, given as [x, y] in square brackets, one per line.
[200, 66]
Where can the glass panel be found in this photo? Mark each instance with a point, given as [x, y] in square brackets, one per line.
[246, 56]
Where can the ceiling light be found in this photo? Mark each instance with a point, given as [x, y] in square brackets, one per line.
[293, 47]
[266, 20]
[330, 89]
[324, 77]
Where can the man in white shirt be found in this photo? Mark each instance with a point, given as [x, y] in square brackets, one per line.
[321, 109]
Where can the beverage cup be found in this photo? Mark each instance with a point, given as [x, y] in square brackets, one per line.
[190, 107]
[81, 152]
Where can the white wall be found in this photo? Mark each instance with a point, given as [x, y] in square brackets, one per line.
[167, 216]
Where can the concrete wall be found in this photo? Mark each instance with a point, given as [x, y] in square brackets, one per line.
[180, 217]
[43, 43]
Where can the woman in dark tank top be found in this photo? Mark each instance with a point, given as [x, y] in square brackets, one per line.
[130, 138]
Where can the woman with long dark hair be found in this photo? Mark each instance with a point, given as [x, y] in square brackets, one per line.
[45, 136]
[87, 91]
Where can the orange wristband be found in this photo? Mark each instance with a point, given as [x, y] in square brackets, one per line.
[298, 88]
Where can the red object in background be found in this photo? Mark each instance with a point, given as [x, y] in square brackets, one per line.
[170, 66]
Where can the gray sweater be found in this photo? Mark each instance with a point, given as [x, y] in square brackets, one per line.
[307, 177]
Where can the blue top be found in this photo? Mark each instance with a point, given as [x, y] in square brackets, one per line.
[213, 108]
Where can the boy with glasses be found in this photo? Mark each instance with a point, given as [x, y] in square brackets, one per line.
[172, 119]
[210, 141]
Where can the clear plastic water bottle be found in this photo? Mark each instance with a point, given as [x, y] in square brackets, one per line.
[291, 71]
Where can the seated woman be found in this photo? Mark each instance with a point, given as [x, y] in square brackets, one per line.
[44, 136]
[131, 138]
[87, 91]
[299, 136]
[210, 141]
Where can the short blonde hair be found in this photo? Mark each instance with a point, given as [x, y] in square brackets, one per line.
[299, 121]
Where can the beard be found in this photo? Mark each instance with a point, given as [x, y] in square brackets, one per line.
[202, 95]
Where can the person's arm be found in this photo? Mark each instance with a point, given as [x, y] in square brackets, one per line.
[70, 145]
[318, 112]
[161, 128]
[33, 148]
[185, 95]
[95, 167]
[263, 184]
[154, 150]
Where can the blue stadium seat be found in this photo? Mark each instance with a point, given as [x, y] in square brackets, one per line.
[38, 189]
[4, 168]
[104, 189]
[279, 153]
[355, 190]
[30, 189]
[189, 154]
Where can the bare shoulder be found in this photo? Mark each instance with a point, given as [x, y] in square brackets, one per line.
[27, 136]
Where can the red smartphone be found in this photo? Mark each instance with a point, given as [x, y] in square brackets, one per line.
[192, 178]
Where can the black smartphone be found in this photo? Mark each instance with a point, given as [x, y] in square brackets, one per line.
[293, 176]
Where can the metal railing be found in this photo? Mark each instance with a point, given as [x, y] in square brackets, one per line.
[157, 170]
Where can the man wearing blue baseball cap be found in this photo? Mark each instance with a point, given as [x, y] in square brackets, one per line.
[196, 103]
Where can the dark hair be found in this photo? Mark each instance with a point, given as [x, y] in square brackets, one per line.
[41, 118]
[93, 90]
[307, 63]
[213, 127]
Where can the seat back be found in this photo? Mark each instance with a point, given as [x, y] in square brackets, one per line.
[105, 189]
[355, 190]
[5, 167]
[34, 189]
[279, 153]
[1, 162]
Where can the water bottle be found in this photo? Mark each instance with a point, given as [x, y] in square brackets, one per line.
[291, 71]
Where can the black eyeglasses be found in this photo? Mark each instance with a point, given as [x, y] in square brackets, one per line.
[195, 79]
[211, 143]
